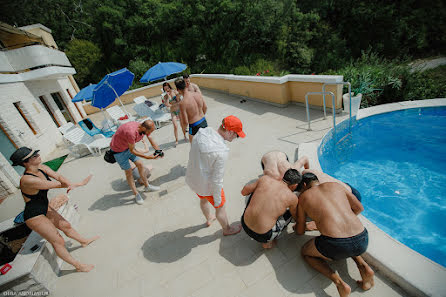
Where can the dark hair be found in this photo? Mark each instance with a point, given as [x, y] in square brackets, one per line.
[307, 178]
[292, 177]
[185, 76]
[166, 84]
[180, 84]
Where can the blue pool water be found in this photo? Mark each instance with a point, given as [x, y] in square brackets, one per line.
[397, 161]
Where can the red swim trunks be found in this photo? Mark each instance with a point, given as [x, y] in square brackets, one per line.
[211, 199]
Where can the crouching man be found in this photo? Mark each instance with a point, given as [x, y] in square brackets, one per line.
[271, 206]
[334, 210]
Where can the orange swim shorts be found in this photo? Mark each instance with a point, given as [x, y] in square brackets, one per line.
[211, 199]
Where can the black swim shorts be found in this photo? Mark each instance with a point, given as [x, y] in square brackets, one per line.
[342, 248]
[193, 128]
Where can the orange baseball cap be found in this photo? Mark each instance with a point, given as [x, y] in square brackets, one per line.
[233, 123]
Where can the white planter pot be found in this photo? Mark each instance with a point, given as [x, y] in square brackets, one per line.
[356, 103]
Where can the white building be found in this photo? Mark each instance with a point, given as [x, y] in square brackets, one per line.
[36, 88]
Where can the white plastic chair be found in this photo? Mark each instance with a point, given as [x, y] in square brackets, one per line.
[152, 112]
[66, 127]
[80, 139]
[116, 112]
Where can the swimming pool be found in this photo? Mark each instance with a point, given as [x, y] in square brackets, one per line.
[397, 161]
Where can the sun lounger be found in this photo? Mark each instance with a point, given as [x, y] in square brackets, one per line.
[140, 99]
[152, 112]
[80, 139]
[88, 126]
[118, 115]
[66, 127]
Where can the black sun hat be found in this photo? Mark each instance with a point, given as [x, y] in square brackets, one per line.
[21, 154]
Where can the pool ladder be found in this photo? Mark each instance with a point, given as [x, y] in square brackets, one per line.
[323, 93]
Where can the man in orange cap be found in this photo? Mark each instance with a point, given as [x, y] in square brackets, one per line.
[206, 167]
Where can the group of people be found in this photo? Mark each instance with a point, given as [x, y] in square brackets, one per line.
[282, 194]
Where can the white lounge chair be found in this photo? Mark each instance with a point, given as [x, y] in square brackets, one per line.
[116, 113]
[80, 139]
[140, 99]
[66, 127]
[152, 112]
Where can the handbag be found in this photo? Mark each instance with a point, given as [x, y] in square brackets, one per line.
[109, 157]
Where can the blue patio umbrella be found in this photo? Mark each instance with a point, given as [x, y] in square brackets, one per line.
[84, 94]
[162, 70]
[111, 87]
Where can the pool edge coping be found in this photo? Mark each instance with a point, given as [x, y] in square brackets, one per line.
[412, 271]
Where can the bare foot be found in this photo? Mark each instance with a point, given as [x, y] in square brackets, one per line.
[89, 241]
[269, 244]
[367, 278]
[233, 230]
[84, 267]
[209, 222]
[343, 289]
[176, 143]
[310, 226]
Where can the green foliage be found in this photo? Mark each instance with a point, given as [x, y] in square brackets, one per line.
[426, 85]
[379, 80]
[247, 37]
[84, 56]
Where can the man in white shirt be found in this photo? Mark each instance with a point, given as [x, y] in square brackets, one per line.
[205, 170]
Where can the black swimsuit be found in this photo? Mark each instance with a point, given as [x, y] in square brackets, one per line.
[38, 204]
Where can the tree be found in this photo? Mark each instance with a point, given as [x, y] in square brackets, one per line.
[84, 56]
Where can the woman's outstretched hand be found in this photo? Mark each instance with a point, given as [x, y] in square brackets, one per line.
[82, 183]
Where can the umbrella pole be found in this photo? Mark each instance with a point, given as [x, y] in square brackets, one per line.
[116, 94]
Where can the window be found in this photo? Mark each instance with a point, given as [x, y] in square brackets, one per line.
[71, 97]
[62, 106]
[17, 105]
[42, 99]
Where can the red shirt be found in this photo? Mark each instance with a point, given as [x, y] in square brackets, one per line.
[126, 134]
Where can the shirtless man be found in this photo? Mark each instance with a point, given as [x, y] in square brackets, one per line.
[192, 109]
[266, 214]
[190, 85]
[325, 178]
[275, 163]
[334, 210]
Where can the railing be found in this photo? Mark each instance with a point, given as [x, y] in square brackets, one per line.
[350, 94]
[308, 108]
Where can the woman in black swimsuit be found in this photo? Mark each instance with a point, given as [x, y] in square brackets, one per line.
[38, 215]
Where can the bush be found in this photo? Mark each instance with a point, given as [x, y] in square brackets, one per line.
[426, 85]
[379, 80]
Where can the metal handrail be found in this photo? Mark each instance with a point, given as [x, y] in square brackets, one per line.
[308, 109]
[350, 94]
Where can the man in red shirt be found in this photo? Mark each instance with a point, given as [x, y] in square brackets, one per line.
[123, 146]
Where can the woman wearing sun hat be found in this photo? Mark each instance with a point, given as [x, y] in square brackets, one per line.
[38, 215]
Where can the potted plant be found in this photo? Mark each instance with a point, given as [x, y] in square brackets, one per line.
[364, 87]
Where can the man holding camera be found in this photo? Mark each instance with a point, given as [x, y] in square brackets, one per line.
[123, 146]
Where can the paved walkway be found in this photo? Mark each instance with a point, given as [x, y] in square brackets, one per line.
[162, 248]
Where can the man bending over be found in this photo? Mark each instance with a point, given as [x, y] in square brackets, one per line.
[334, 210]
[266, 214]
[275, 163]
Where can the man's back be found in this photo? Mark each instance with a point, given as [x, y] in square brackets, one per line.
[328, 205]
[270, 199]
[275, 163]
[192, 103]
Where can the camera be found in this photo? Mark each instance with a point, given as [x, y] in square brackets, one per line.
[159, 153]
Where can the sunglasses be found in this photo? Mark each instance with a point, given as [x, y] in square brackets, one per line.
[32, 157]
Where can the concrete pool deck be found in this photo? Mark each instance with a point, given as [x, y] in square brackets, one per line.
[161, 248]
